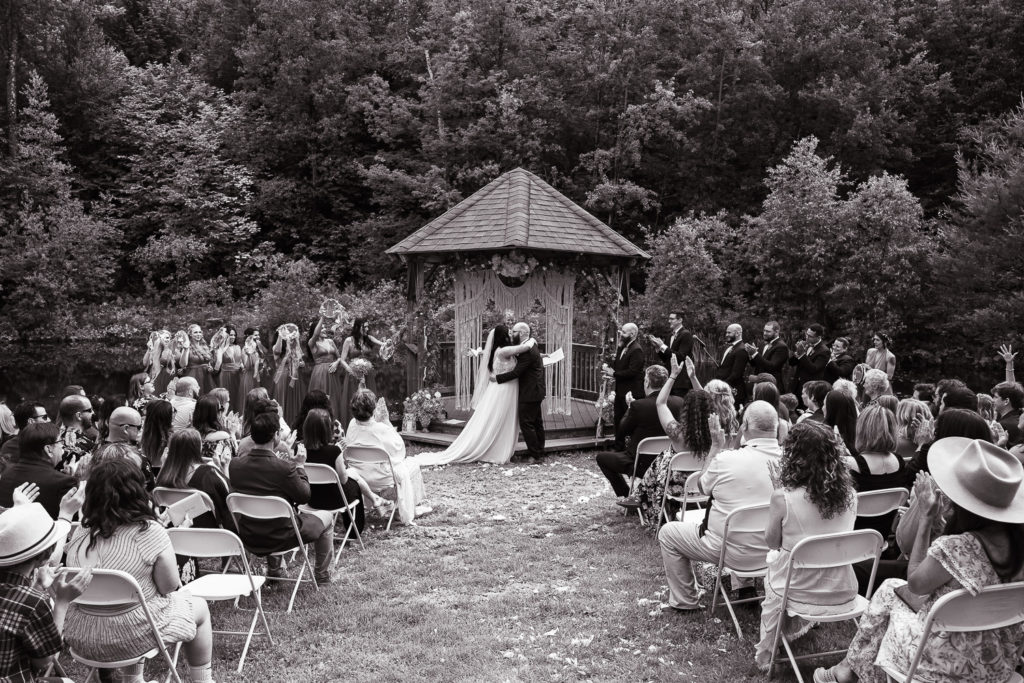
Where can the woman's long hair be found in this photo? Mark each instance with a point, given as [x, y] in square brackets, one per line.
[207, 415]
[841, 413]
[812, 458]
[116, 496]
[725, 405]
[251, 399]
[1009, 568]
[311, 401]
[135, 385]
[357, 332]
[962, 422]
[156, 431]
[698, 406]
[767, 392]
[501, 339]
[317, 429]
[184, 451]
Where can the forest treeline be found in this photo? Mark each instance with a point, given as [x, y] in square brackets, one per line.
[860, 162]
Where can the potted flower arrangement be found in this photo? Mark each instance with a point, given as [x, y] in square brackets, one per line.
[422, 407]
[605, 405]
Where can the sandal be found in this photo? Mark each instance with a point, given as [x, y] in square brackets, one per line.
[825, 676]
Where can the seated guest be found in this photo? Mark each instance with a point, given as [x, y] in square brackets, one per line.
[953, 422]
[1009, 400]
[980, 547]
[958, 397]
[312, 400]
[40, 452]
[254, 395]
[262, 473]
[363, 430]
[75, 415]
[815, 496]
[32, 627]
[840, 413]
[120, 531]
[186, 392]
[322, 448]
[725, 407]
[847, 387]
[814, 394]
[156, 433]
[219, 446]
[889, 402]
[767, 392]
[733, 478]
[874, 464]
[859, 371]
[790, 402]
[25, 413]
[913, 425]
[924, 393]
[640, 422]
[942, 387]
[140, 392]
[690, 434]
[184, 468]
[840, 363]
[876, 384]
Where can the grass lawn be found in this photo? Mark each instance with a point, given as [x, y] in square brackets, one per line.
[521, 573]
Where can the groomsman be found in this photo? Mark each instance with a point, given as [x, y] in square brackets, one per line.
[628, 372]
[680, 345]
[772, 357]
[810, 358]
[732, 369]
[840, 364]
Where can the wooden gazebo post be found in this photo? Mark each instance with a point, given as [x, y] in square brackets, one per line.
[414, 293]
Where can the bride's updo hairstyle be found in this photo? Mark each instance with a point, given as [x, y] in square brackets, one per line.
[501, 338]
[362, 404]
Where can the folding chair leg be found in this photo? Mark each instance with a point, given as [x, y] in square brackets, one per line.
[248, 639]
[728, 606]
[172, 663]
[392, 517]
[792, 658]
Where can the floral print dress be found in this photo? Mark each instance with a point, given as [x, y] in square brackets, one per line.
[890, 631]
[651, 488]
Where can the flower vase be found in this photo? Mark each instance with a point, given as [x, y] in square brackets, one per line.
[424, 424]
[408, 423]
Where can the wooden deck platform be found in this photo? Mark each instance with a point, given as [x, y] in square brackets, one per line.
[562, 432]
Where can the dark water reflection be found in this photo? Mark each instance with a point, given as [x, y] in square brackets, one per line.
[39, 371]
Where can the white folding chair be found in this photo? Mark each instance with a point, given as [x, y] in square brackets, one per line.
[993, 607]
[880, 502]
[750, 519]
[371, 455]
[823, 552]
[115, 591]
[217, 587]
[166, 496]
[683, 462]
[328, 476]
[652, 445]
[274, 507]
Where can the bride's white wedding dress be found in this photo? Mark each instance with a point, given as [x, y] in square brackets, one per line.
[491, 433]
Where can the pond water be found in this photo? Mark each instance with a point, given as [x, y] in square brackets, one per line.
[39, 371]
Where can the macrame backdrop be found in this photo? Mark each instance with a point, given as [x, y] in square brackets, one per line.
[476, 290]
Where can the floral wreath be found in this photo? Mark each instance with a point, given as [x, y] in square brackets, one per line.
[513, 264]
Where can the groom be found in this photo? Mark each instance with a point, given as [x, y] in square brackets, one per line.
[529, 370]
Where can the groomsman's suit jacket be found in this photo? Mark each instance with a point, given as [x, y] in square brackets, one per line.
[810, 367]
[840, 368]
[732, 370]
[772, 358]
[628, 370]
[680, 345]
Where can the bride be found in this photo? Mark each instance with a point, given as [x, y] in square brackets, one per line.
[491, 433]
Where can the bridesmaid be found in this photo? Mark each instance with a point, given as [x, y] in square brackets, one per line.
[251, 366]
[288, 389]
[159, 360]
[325, 369]
[357, 345]
[194, 359]
[879, 356]
[228, 359]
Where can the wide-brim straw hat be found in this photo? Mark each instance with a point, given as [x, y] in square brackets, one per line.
[25, 531]
[979, 477]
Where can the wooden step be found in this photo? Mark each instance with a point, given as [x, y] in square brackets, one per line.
[443, 440]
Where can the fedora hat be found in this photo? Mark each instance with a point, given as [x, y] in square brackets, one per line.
[25, 531]
[979, 477]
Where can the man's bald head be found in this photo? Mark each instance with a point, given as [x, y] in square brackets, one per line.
[735, 329]
[631, 329]
[760, 420]
[125, 425]
[523, 330]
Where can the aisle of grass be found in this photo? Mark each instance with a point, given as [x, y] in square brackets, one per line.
[521, 573]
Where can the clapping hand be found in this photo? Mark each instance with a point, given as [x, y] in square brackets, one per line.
[67, 589]
[72, 502]
[751, 349]
[629, 398]
[924, 430]
[656, 340]
[801, 347]
[927, 496]
[717, 433]
[689, 367]
[674, 362]
[25, 494]
[999, 433]
[1007, 353]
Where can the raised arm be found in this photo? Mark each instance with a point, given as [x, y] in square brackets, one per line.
[1007, 353]
[311, 342]
[509, 351]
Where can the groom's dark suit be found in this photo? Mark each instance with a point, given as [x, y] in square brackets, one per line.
[529, 370]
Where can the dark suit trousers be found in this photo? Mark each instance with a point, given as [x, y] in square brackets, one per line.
[531, 424]
[616, 464]
[620, 410]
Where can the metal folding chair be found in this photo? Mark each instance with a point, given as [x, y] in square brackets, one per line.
[751, 519]
[880, 502]
[274, 507]
[996, 606]
[652, 445]
[683, 462]
[223, 586]
[370, 455]
[823, 552]
[113, 590]
[328, 476]
[166, 496]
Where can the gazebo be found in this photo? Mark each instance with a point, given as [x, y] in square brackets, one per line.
[519, 242]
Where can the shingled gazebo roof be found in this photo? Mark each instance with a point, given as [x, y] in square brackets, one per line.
[518, 210]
